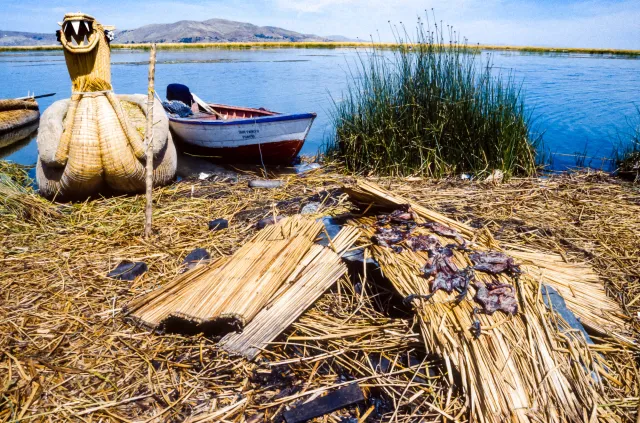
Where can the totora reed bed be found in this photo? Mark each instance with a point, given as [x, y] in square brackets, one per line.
[67, 353]
[432, 108]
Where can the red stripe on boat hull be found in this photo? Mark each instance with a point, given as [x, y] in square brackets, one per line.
[282, 152]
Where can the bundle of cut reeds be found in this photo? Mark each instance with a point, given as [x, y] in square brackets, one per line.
[526, 367]
[320, 268]
[584, 291]
[233, 290]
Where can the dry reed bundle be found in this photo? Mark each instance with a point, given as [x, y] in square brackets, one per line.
[520, 367]
[584, 292]
[316, 272]
[233, 290]
[90, 144]
[14, 202]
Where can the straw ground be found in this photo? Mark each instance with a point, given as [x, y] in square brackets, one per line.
[67, 354]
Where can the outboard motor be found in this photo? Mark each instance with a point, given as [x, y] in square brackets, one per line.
[179, 92]
[179, 100]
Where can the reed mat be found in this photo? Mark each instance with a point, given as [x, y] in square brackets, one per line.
[233, 290]
[320, 268]
[66, 354]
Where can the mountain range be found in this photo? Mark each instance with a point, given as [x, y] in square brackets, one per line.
[16, 38]
[209, 31]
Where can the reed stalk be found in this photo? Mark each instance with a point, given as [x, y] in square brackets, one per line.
[148, 214]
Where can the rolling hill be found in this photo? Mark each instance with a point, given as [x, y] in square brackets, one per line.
[15, 38]
[209, 31]
[212, 30]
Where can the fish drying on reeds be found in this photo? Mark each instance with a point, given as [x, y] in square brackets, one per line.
[423, 243]
[443, 230]
[495, 296]
[524, 369]
[494, 262]
[387, 237]
[404, 214]
[402, 223]
[93, 142]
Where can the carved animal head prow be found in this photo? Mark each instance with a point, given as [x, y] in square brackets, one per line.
[81, 33]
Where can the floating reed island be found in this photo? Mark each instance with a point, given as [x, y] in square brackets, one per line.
[69, 351]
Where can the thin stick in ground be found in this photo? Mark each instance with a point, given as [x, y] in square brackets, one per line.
[148, 214]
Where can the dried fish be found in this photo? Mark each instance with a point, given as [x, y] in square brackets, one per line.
[443, 230]
[386, 237]
[402, 215]
[423, 243]
[449, 282]
[496, 296]
[447, 276]
[494, 262]
[439, 261]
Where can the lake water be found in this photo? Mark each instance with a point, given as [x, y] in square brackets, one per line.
[581, 102]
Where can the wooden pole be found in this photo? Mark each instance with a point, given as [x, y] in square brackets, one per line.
[149, 143]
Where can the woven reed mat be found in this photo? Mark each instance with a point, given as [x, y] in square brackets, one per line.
[316, 272]
[230, 292]
[530, 366]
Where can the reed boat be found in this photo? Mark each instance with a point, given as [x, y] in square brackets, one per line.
[19, 118]
[242, 134]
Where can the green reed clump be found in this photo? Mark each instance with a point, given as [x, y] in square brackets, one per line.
[627, 157]
[431, 108]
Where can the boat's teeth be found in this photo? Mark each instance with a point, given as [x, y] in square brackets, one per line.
[76, 26]
[86, 25]
[64, 28]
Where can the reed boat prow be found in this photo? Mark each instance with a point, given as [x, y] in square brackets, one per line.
[18, 119]
[243, 134]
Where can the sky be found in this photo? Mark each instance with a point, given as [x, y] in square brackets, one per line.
[557, 23]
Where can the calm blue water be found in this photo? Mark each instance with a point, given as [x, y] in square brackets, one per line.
[581, 102]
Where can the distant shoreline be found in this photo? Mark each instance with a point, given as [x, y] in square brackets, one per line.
[329, 45]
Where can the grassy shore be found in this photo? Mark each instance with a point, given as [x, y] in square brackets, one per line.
[334, 45]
